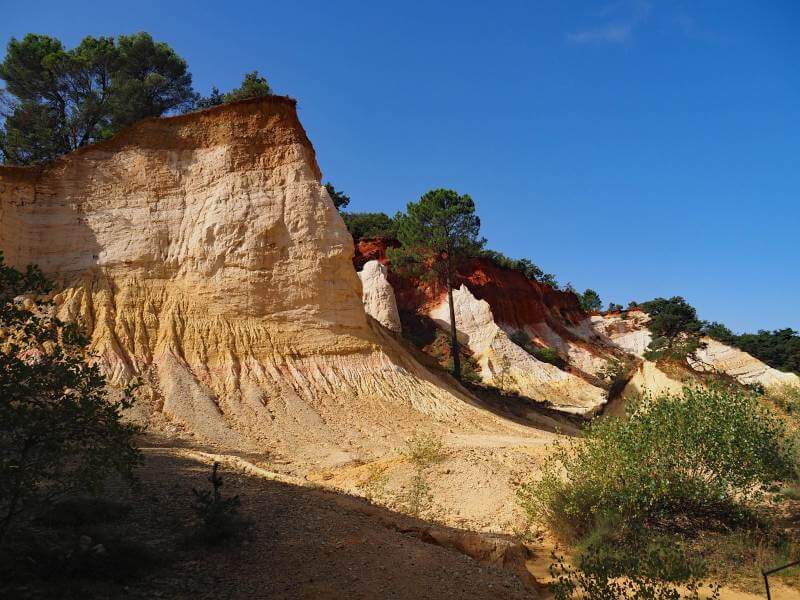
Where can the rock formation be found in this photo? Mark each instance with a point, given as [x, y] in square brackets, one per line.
[378, 295]
[507, 366]
[204, 257]
[745, 367]
[629, 331]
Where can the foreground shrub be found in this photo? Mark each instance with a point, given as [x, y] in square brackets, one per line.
[599, 584]
[59, 433]
[674, 462]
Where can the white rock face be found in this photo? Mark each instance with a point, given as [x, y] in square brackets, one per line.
[741, 365]
[630, 334]
[507, 366]
[378, 296]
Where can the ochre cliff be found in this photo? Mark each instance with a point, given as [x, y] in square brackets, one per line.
[204, 257]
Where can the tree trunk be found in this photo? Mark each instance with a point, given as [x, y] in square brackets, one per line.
[453, 336]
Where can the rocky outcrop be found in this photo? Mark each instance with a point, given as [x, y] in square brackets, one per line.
[547, 316]
[507, 366]
[626, 330]
[204, 257]
[746, 368]
[629, 331]
[378, 295]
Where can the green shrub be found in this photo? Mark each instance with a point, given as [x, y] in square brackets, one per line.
[785, 396]
[602, 581]
[674, 461]
[549, 355]
[59, 432]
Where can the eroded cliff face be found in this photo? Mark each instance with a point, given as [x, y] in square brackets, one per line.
[629, 331]
[507, 366]
[204, 257]
[496, 304]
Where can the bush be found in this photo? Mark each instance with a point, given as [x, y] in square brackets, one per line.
[59, 434]
[602, 580]
[523, 265]
[674, 462]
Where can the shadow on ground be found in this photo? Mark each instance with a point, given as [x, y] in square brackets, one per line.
[301, 543]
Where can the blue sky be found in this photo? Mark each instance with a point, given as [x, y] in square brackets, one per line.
[639, 147]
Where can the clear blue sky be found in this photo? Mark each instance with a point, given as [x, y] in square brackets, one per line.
[641, 148]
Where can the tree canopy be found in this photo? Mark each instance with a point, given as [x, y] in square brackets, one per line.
[340, 199]
[590, 301]
[57, 100]
[253, 86]
[436, 234]
[675, 327]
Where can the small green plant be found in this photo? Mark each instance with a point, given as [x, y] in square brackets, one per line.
[550, 355]
[423, 450]
[545, 354]
[218, 516]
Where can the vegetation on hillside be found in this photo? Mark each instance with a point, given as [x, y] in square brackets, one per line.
[590, 301]
[60, 434]
[675, 327]
[779, 348]
[677, 470]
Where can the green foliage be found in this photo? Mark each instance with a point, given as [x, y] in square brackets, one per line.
[786, 397]
[340, 199]
[700, 457]
[436, 234]
[604, 581]
[370, 225]
[252, 86]
[544, 354]
[218, 515]
[523, 265]
[779, 348]
[590, 301]
[57, 100]
[59, 433]
[675, 327]
[614, 307]
[550, 355]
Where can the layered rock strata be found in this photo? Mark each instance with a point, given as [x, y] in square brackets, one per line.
[204, 257]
